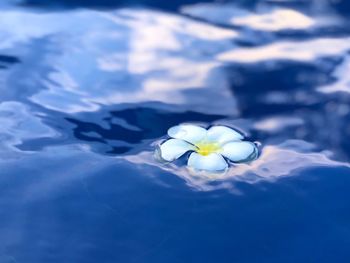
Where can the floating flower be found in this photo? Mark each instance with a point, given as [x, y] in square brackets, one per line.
[212, 149]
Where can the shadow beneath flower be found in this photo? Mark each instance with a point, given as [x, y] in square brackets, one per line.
[275, 162]
[132, 128]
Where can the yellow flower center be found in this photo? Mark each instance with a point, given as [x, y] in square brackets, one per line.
[206, 148]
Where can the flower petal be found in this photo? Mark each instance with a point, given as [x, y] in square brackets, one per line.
[188, 132]
[223, 134]
[213, 162]
[172, 149]
[240, 151]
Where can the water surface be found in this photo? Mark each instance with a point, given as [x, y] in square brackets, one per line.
[87, 89]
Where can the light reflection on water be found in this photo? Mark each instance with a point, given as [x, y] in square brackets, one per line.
[274, 162]
[265, 18]
[85, 95]
[112, 61]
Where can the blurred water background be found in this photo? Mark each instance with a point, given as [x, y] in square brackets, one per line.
[88, 87]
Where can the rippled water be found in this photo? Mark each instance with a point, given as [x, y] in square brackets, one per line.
[87, 90]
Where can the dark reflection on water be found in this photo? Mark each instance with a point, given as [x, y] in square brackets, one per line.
[86, 94]
[133, 126]
[104, 4]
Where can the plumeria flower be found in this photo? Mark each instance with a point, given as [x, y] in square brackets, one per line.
[212, 149]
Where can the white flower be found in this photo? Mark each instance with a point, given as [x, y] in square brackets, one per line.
[211, 149]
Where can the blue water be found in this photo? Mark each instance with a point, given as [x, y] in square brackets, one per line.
[89, 88]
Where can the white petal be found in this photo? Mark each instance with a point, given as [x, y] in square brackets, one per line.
[239, 151]
[188, 132]
[223, 134]
[172, 149]
[212, 162]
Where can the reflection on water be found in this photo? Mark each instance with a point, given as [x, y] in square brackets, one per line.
[120, 59]
[274, 162]
[18, 125]
[266, 18]
[300, 51]
[342, 82]
[108, 82]
[85, 95]
[130, 87]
